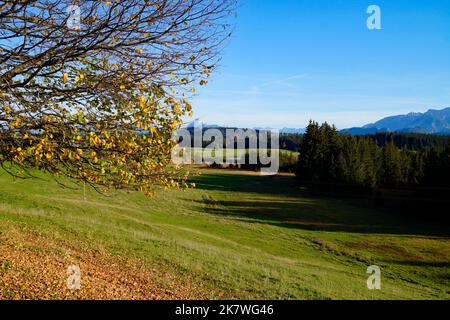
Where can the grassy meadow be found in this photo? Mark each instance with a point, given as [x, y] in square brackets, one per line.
[236, 235]
[236, 153]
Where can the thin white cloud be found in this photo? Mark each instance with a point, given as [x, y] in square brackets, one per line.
[287, 82]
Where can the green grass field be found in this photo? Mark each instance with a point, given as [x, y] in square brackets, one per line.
[236, 153]
[240, 235]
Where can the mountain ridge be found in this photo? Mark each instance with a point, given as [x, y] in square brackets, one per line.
[433, 121]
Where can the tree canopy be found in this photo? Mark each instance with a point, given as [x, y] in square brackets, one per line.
[326, 156]
[96, 96]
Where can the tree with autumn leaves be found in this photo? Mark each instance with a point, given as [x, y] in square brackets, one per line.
[98, 101]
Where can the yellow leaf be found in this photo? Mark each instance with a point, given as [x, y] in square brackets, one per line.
[65, 78]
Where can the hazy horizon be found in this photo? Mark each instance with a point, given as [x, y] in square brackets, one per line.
[318, 119]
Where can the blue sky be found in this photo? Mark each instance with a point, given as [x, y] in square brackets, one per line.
[292, 60]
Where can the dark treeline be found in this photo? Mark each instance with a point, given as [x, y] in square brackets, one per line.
[287, 141]
[411, 140]
[293, 141]
[373, 163]
[327, 156]
[240, 132]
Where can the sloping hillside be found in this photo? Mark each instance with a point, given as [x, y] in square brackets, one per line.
[237, 235]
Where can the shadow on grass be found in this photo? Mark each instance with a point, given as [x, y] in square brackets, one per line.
[415, 263]
[280, 202]
[229, 180]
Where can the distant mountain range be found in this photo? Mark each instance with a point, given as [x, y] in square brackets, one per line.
[432, 122]
[197, 124]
